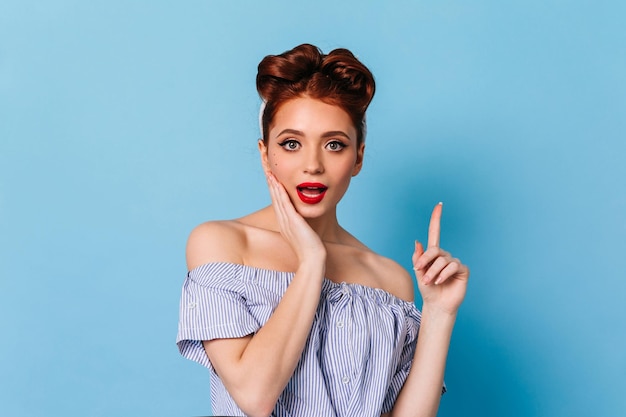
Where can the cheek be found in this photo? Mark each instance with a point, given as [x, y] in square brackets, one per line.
[273, 161]
[347, 168]
[279, 167]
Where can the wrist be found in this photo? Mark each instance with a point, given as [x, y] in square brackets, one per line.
[433, 310]
[312, 257]
[315, 264]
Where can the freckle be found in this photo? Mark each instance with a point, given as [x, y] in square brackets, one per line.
[275, 165]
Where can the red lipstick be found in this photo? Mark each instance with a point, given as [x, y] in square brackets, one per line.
[311, 192]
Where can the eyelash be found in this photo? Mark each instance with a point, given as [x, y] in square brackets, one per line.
[339, 143]
[284, 144]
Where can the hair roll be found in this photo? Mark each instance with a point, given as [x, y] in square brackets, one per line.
[337, 78]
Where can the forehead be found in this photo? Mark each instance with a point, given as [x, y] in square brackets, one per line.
[312, 117]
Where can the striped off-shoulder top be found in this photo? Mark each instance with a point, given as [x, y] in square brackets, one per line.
[354, 363]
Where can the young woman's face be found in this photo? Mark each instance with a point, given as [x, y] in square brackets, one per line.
[312, 150]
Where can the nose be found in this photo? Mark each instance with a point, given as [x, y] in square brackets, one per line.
[313, 163]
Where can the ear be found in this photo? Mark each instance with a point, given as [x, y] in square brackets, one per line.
[263, 152]
[359, 160]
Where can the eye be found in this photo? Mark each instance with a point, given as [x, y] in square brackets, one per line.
[335, 145]
[289, 144]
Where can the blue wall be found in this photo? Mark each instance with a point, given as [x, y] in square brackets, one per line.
[124, 124]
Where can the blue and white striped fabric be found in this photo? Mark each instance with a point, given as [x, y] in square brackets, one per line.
[355, 361]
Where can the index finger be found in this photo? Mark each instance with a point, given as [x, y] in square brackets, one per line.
[434, 229]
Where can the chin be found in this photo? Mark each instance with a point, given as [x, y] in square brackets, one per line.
[310, 211]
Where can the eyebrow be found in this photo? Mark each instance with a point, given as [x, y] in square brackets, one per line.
[324, 135]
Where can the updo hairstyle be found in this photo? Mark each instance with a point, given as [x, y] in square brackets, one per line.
[337, 78]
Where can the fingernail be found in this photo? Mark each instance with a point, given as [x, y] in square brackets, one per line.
[440, 203]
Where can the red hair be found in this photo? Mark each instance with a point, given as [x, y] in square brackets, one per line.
[337, 78]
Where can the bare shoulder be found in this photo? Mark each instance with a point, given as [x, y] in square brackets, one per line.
[396, 279]
[216, 241]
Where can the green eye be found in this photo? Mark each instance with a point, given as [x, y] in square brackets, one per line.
[335, 145]
[289, 144]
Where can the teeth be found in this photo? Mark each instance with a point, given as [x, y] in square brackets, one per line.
[311, 191]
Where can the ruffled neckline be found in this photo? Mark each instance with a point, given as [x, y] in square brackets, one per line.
[329, 286]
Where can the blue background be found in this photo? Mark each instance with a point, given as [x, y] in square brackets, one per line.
[125, 124]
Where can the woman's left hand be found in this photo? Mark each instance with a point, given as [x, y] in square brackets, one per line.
[441, 279]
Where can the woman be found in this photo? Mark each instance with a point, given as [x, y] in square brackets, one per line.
[291, 313]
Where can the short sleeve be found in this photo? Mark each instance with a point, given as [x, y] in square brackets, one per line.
[212, 306]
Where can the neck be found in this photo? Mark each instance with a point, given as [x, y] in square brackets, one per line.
[327, 227]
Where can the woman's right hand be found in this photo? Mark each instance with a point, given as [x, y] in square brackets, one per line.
[256, 368]
[304, 241]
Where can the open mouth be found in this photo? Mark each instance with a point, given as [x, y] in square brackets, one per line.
[311, 193]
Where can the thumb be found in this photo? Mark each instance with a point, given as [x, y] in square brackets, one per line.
[419, 250]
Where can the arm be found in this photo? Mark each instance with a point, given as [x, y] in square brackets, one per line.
[421, 392]
[255, 369]
[442, 281]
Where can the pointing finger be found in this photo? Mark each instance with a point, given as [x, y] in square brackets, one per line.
[434, 229]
